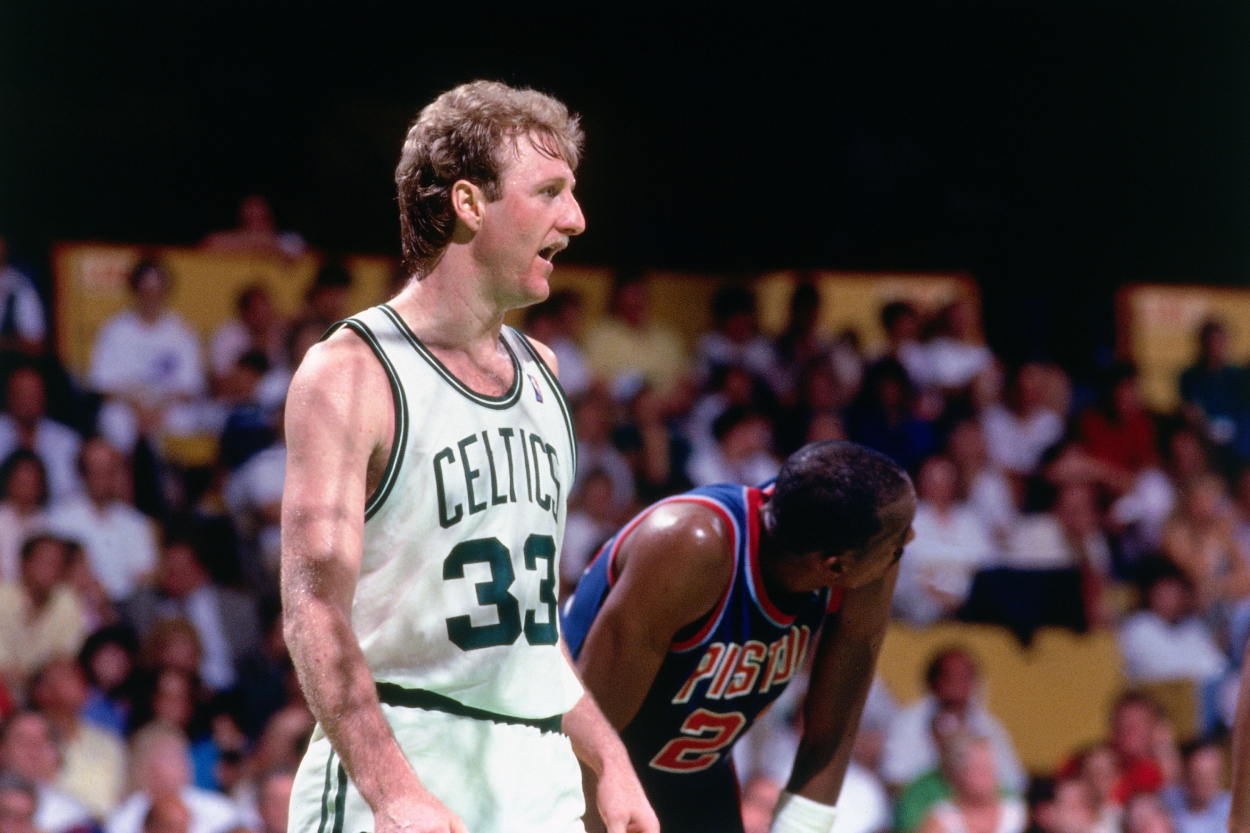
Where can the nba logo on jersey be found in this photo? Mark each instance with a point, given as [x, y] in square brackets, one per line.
[538, 392]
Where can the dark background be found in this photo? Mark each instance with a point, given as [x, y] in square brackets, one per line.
[1054, 150]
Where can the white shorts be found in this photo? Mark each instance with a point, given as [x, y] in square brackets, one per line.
[496, 777]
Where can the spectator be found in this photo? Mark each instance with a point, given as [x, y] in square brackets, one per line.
[119, 540]
[1200, 539]
[956, 354]
[734, 340]
[1125, 764]
[884, 416]
[1019, 431]
[901, 323]
[990, 494]
[1144, 813]
[593, 423]
[593, 517]
[557, 323]
[325, 301]
[1063, 805]
[657, 454]
[273, 798]
[1166, 641]
[255, 327]
[975, 803]
[94, 759]
[25, 424]
[23, 324]
[253, 497]
[161, 766]
[28, 748]
[1201, 802]
[146, 362]
[801, 341]
[267, 680]
[1119, 430]
[951, 545]
[629, 342]
[256, 233]
[23, 498]
[1214, 391]
[168, 814]
[742, 453]
[952, 680]
[224, 619]
[17, 805]
[40, 617]
[108, 659]
[815, 413]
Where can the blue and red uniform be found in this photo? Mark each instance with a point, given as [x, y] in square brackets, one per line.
[720, 673]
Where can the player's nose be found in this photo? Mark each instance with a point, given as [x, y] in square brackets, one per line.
[572, 222]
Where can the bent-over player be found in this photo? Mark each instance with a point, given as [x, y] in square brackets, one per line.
[430, 451]
[695, 616]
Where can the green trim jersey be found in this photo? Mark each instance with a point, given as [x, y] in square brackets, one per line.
[457, 586]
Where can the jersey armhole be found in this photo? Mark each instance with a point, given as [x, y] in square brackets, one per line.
[399, 440]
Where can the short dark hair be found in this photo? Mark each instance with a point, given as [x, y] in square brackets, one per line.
[17, 458]
[148, 264]
[934, 669]
[829, 496]
[893, 311]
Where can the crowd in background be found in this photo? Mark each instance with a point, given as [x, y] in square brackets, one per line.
[145, 684]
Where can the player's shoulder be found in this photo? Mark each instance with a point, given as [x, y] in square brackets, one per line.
[340, 371]
[544, 352]
[682, 540]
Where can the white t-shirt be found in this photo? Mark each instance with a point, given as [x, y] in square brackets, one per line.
[119, 542]
[156, 361]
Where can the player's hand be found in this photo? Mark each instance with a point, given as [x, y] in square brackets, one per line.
[418, 813]
[622, 803]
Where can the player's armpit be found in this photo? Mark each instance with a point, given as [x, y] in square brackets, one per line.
[673, 567]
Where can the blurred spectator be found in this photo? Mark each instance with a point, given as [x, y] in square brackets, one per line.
[1166, 641]
[273, 799]
[884, 416]
[729, 387]
[28, 748]
[901, 323]
[800, 342]
[950, 546]
[557, 323]
[23, 498]
[1144, 813]
[160, 765]
[956, 354]
[23, 323]
[1201, 802]
[1097, 767]
[1119, 430]
[146, 362]
[1214, 391]
[97, 606]
[735, 340]
[94, 760]
[657, 454]
[168, 814]
[975, 803]
[593, 423]
[1200, 539]
[224, 619]
[256, 233]
[593, 517]
[983, 487]
[17, 805]
[1125, 764]
[952, 681]
[118, 539]
[815, 412]
[1018, 431]
[267, 680]
[325, 301]
[1063, 805]
[40, 616]
[629, 342]
[1069, 536]
[252, 494]
[25, 424]
[255, 327]
[742, 453]
[108, 658]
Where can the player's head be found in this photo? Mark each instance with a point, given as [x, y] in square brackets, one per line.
[467, 134]
[847, 507]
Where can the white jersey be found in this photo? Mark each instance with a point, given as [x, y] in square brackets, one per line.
[457, 586]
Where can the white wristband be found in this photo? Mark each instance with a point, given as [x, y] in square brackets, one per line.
[796, 814]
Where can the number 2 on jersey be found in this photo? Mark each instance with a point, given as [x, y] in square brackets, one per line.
[709, 734]
[492, 552]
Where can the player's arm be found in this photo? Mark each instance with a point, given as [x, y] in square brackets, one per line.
[1239, 813]
[338, 416]
[672, 568]
[842, 672]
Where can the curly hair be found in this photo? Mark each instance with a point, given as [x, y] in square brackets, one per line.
[464, 134]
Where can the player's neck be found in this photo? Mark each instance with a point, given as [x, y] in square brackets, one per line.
[779, 583]
[447, 309]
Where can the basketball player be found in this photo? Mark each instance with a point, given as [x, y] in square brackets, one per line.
[696, 615]
[430, 454]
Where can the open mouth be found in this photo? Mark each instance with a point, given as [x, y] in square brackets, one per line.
[548, 252]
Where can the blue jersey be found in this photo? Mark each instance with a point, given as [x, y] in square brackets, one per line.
[724, 668]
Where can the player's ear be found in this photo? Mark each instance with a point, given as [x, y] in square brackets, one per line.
[837, 564]
[468, 202]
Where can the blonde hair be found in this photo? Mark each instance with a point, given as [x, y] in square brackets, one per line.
[462, 135]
